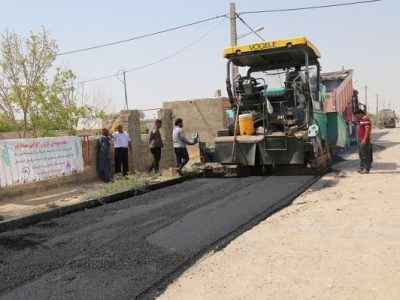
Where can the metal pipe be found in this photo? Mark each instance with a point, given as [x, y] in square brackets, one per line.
[228, 83]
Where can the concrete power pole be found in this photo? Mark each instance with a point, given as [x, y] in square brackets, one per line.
[124, 83]
[126, 93]
[232, 17]
[366, 97]
[377, 109]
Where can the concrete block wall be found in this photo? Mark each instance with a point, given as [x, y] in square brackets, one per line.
[167, 153]
[140, 158]
[204, 116]
[130, 120]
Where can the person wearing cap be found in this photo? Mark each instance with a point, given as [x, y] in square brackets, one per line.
[364, 141]
[180, 142]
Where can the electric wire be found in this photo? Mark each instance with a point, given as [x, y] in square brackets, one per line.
[213, 18]
[157, 61]
[248, 26]
[141, 36]
[308, 7]
[238, 15]
[177, 52]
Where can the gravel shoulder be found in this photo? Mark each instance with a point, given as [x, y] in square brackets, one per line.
[338, 240]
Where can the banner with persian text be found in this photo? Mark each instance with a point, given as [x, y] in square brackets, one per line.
[30, 160]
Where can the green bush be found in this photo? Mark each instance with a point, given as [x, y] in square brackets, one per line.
[6, 126]
[144, 130]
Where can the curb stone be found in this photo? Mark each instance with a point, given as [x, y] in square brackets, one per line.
[68, 209]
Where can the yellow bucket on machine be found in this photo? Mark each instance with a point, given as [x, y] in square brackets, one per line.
[246, 124]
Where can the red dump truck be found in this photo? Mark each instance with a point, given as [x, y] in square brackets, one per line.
[340, 97]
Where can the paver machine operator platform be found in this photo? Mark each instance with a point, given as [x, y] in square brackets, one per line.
[277, 102]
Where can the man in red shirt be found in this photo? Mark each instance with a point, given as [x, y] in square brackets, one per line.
[364, 141]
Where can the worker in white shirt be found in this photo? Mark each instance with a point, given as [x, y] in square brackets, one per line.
[121, 144]
[180, 142]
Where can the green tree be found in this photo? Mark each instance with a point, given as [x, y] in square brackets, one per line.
[23, 65]
[28, 101]
[56, 108]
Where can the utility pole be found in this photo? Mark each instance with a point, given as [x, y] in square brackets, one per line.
[232, 17]
[377, 109]
[126, 94]
[366, 97]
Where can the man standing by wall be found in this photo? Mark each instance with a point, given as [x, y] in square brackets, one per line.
[155, 145]
[364, 141]
[180, 142]
[121, 144]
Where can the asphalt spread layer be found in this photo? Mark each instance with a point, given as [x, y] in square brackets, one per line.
[126, 249]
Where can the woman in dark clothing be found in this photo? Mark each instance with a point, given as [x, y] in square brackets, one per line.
[103, 156]
[155, 145]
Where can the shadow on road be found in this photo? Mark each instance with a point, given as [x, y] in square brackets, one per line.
[388, 166]
[384, 144]
[19, 242]
[379, 134]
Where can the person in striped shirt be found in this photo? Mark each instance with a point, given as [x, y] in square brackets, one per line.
[364, 141]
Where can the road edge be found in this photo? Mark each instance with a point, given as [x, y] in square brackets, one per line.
[162, 284]
[19, 222]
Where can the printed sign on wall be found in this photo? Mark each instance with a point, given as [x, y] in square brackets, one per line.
[30, 160]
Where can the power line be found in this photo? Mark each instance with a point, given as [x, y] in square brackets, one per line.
[96, 79]
[159, 60]
[248, 26]
[177, 52]
[141, 36]
[199, 22]
[308, 7]
[210, 19]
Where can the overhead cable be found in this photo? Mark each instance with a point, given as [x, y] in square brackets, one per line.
[141, 36]
[157, 61]
[248, 26]
[307, 7]
[210, 19]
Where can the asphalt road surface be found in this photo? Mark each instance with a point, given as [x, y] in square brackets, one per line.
[135, 247]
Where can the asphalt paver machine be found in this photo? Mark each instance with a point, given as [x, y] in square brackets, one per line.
[277, 102]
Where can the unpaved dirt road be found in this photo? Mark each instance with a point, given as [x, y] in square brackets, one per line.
[131, 248]
[339, 240]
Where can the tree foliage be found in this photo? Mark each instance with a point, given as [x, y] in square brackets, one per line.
[29, 101]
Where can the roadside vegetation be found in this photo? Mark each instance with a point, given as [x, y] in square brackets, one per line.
[1, 218]
[118, 185]
[52, 205]
[138, 181]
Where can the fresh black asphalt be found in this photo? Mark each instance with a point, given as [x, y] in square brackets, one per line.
[133, 248]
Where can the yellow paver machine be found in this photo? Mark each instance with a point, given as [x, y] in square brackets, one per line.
[277, 107]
